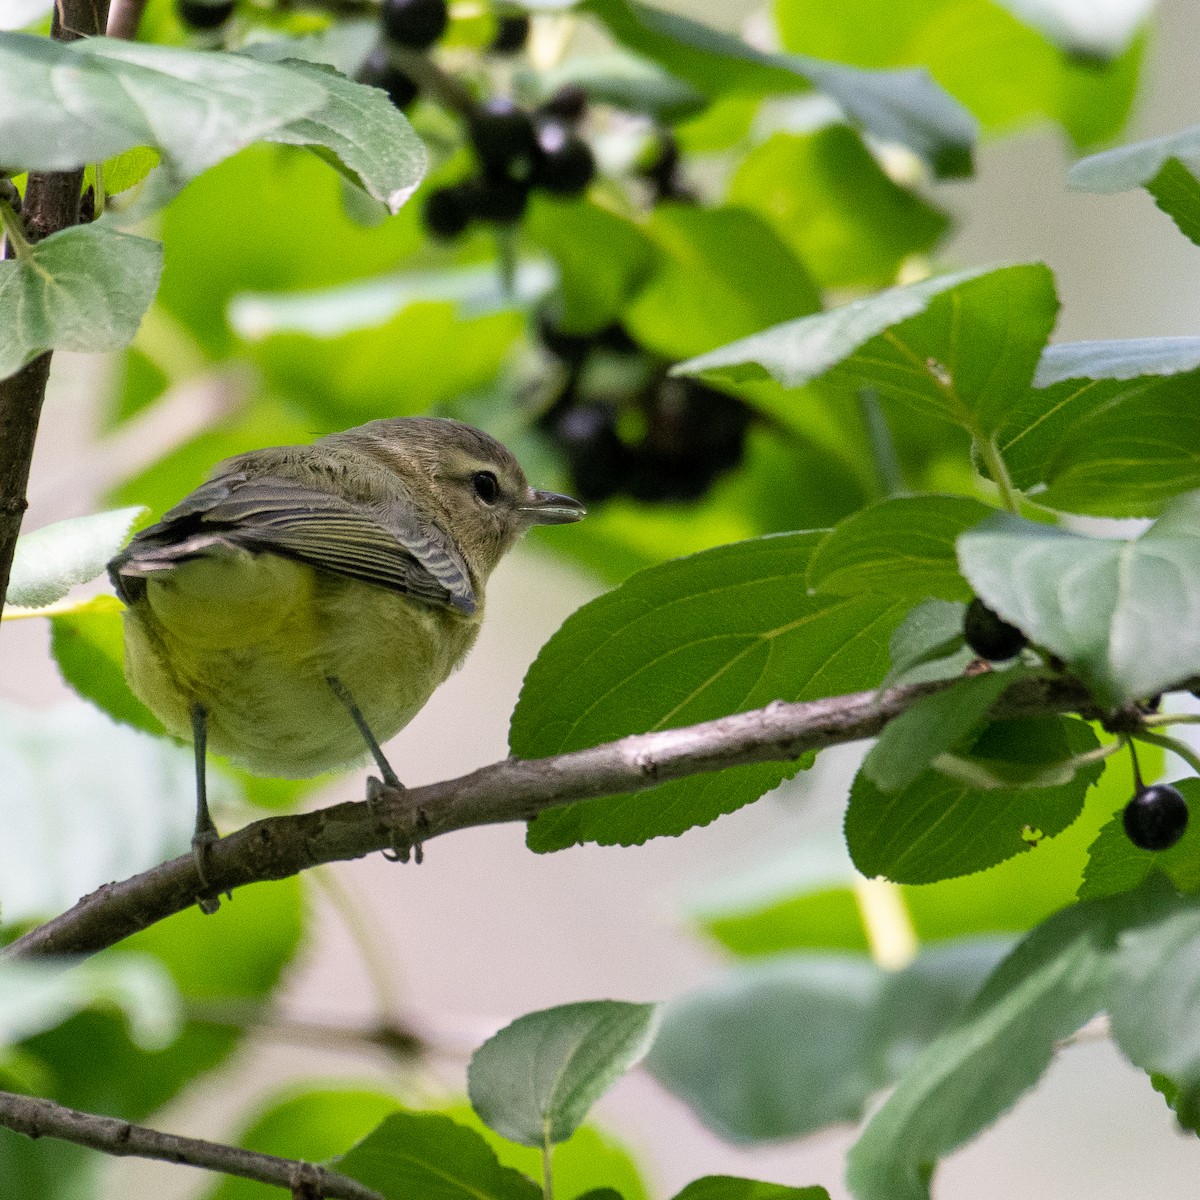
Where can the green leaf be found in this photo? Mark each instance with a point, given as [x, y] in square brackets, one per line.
[827, 197]
[1097, 955]
[1176, 190]
[960, 347]
[368, 137]
[899, 547]
[426, 1156]
[790, 1046]
[1123, 615]
[1116, 865]
[895, 106]
[805, 897]
[587, 1161]
[52, 560]
[536, 1080]
[729, 1187]
[939, 826]
[723, 631]
[1108, 428]
[934, 724]
[82, 289]
[1165, 166]
[1001, 69]
[89, 648]
[313, 1125]
[603, 259]
[1051, 985]
[35, 996]
[127, 94]
[720, 274]
[928, 644]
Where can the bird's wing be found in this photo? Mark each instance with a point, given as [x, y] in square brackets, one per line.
[282, 516]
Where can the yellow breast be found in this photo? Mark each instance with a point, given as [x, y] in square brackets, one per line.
[254, 637]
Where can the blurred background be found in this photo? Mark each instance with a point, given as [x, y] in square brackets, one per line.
[484, 930]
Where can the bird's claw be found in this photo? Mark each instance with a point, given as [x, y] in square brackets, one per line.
[403, 847]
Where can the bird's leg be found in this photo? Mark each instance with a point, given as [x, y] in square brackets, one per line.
[398, 853]
[206, 832]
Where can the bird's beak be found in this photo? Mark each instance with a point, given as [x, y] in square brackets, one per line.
[549, 508]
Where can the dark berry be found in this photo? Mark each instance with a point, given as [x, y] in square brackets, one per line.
[416, 24]
[500, 199]
[615, 339]
[565, 165]
[448, 211]
[599, 461]
[504, 138]
[658, 478]
[379, 72]
[201, 15]
[699, 425]
[1156, 818]
[568, 104]
[989, 636]
[512, 32]
[571, 348]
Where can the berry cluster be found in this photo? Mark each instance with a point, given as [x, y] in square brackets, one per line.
[684, 433]
[517, 151]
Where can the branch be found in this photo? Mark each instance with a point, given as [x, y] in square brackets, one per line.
[51, 203]
[36, 1118]
[513, 790]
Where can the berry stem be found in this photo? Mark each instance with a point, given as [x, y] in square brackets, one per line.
[14, 232]
[1182, 749]
[443, 86]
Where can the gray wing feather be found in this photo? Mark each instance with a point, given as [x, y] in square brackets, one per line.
[398, 551]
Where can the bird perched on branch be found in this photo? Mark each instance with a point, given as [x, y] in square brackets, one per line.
[302, 605]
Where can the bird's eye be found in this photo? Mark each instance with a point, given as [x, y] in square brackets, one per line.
[486, 486]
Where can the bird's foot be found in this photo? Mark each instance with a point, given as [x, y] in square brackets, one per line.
[406, 833]
[202, 842]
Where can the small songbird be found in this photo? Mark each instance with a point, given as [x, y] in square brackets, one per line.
[301, 606]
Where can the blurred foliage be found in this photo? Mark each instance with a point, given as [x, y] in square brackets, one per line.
[723, 329]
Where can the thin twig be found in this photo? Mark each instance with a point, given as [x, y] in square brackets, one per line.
[37, 1118]
[513, 790]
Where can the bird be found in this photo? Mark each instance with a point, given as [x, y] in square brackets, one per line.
[300, 606]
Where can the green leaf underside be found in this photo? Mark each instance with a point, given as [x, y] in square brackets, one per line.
[959, 347]
[719, 632]
[899, 547]
[827, 196]
[535, 1080]
[1116, 865]
[895, 106]
[1121, 358]
[83, 289]
[936, 828]
[52, 560]
[1123, 615]
[793, 1045]
[928, 644]
[99, 97]
[1135, 165]
[911, 741]
[427, 1156]
[1095, 956]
